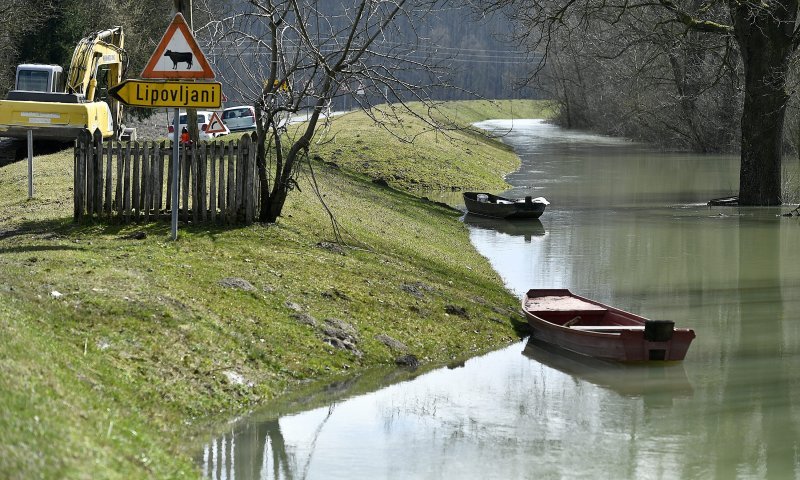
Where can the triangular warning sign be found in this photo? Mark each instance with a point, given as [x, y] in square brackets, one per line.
[178, 55]
[215, 125]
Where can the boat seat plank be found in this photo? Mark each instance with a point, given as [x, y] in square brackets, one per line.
[561, 304]
[607, 328]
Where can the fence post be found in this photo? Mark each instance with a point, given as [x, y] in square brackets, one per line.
[231, 207]
[161, 151]
[202, 172]
[223, 181]
[212, 194]
[126, 189]
[118, 199]
[79, 188]
[247, 181]
[97, 138]
[195, 182]
[184, 183]
[146, 181]
[109, 178]
[135, 200]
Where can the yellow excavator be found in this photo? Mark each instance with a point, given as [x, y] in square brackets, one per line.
[57, 108]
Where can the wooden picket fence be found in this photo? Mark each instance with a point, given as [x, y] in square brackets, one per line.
[132, 181]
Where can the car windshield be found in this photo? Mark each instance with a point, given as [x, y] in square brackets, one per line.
[33, 80]
[236, 113]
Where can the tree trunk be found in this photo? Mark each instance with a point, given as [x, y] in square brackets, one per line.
[764, 36]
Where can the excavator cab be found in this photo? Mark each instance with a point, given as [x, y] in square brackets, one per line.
[39, 78]
[42, 83]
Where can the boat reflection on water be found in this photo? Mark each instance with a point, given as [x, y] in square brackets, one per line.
[658, 384]
[527, 228]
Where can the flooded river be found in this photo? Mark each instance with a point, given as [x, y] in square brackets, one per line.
[626, 226]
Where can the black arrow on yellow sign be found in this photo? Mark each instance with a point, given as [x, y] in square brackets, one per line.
[177, 94]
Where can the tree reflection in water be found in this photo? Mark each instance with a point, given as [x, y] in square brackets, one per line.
[230, 456]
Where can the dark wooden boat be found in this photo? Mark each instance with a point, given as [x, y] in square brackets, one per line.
[571, 322]
[489, 205]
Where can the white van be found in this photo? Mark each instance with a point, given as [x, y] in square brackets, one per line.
[239, 118]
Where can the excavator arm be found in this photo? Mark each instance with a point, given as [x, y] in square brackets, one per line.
[93, 51]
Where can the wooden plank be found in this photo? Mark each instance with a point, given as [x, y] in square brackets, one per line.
[155, 171]
[126, 188]
[184, 189]
[145, 176]
[80, 176]
[202, 169]
[253, 180]
[109, 178]
[222, 181]
[147, 180]
[560, 303]
[230, 211]
[135, 203]
[161, 152]
[170, 163]
[607, 328]
[89, 183]
[195, 183]
[118, 191]
[153, 174]
[75, 179]
[248, 178]
[97, 139]
[239, 182]
[212, 194]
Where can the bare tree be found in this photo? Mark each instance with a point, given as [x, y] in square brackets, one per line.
[289, 58]
[16, 18]
[678, 91]
[765, 35]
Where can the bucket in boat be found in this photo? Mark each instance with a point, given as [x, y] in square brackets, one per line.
[658, 330]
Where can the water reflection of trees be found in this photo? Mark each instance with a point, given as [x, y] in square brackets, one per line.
[255, 448]
[258, 451]
[754, 418]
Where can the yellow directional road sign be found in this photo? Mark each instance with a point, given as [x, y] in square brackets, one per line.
[141, 93]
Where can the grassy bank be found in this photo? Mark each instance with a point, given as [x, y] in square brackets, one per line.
[116, 345]
[456, 158]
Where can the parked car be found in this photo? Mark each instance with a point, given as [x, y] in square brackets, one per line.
[239, 118]
[203, 117]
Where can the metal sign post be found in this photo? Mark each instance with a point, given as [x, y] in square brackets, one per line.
[178, 48]
[30, 164]
[176, 158]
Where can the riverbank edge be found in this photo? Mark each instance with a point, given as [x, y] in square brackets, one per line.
[119, 345]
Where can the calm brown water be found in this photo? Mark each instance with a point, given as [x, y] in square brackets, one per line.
[628, 227]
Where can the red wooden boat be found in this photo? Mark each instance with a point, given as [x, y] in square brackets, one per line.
[566, 320]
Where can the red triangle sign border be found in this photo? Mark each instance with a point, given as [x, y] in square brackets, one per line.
[215, 119]
[178, 25]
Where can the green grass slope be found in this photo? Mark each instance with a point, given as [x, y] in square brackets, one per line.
[114, 348]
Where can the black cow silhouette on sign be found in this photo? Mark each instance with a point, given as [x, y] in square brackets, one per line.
[178, 57]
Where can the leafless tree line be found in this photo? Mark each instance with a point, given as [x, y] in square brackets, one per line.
[296, 56]
[691, 69]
